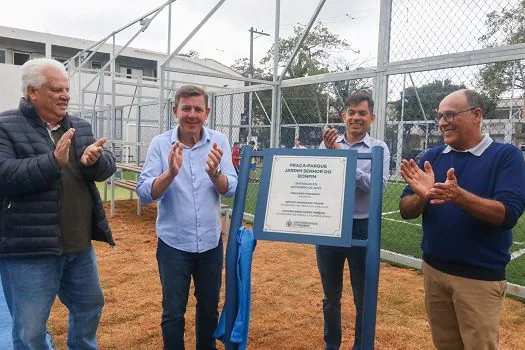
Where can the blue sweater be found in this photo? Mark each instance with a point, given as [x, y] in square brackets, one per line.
[454, 241]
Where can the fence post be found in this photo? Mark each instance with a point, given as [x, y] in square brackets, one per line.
[231, 299]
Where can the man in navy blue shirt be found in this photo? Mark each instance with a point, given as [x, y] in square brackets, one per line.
[471, 193]
[187, 169]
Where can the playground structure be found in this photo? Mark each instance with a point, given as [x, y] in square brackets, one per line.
[412, 55]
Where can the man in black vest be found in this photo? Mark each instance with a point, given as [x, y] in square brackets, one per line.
[50, 210]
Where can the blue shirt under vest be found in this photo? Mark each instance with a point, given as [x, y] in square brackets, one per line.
[188, 216]
[454, 241]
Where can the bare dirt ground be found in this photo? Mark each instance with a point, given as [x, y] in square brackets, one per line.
[286, 298]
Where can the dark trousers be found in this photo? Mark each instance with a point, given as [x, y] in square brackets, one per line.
[330, 261]
[176, 268]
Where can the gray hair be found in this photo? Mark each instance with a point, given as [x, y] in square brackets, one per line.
[475, 100]
[33, 72]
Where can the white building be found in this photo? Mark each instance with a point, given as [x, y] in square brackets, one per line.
[135, 83]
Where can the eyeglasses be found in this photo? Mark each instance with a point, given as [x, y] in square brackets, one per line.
[449, 116]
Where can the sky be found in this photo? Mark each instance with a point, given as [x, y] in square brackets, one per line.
[225, 37]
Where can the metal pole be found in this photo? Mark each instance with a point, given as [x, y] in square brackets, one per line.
[138, 135]
[264, 109]
[303, 37]
[193, 32]
[212, 119]
[80, 90]
[250, 96]
[218, 75]
[145, 25]
[422, 110]
[276, 91]
[230, 307]
[137, 149]
[289, 111]
[399, 155]
[508, 127]
[230, 129]
[168, 73]
[327, 107]
[381, 78]
[373, 251]
[162, 108]
[112, 117]
[99, 44]
[250, 75]
[169, 30]
[102, 104]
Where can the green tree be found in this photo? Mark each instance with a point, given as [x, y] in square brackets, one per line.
[308, 104]
[430, 95]
[259, 121]
[343, 88]
[314, 55]
[503, 28]
[305, 104]
[242, 66]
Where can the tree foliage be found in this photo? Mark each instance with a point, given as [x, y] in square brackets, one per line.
[314, 55]
[242, 66]
[503, 28]
[307, 103]
[430, 95]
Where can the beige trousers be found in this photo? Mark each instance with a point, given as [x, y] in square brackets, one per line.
[463, 313]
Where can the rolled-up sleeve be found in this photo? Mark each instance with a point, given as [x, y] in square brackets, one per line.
[227, 168]
[363, 178]
[151, 170]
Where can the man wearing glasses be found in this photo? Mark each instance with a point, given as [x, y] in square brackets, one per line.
[471, 193]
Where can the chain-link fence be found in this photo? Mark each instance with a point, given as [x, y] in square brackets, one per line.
[435, 48]
[427, 28]
[240, 123]
[427, 50]
[129, 132]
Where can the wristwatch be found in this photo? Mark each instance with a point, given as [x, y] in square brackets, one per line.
[216, 175]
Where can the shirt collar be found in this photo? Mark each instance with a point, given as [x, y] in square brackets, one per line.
[476, 150]
[48, 126]
[367, 140]
[175, 136]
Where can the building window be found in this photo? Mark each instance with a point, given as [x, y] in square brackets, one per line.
[131, 72]
[19, 58]
[2, 56]
[96, 65]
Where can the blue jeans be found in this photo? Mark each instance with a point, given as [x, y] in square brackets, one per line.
[31, 285]
[176, 268]
[330, 261]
